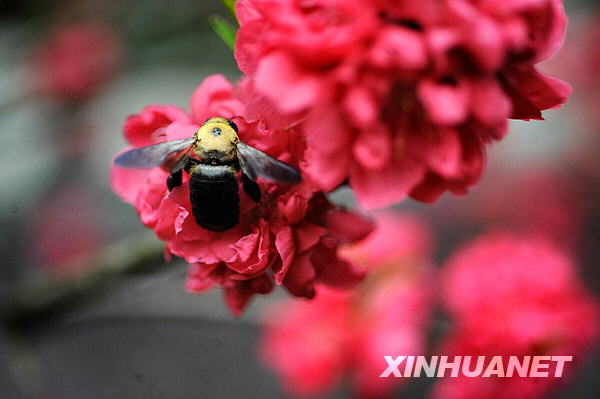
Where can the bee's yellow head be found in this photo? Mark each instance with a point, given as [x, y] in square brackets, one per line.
[217, 134]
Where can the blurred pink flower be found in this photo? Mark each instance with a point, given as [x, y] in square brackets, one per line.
[401, 97]
[514, 296]
[579, 61]
[560, 216]
[76, 60]
[306, 342]
[64, 229]
[313, 345]
[581, 44]
[399, 236]
[290, 238]
[500, 269]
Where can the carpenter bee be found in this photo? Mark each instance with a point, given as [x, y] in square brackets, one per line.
[212, 157]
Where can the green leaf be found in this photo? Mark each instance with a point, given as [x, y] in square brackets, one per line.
[224, 29]
[230, 4]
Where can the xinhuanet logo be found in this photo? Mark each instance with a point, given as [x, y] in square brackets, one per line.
[475, 366]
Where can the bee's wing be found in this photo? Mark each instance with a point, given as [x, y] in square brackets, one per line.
[181, 161]
[151, 156]
[255, 163]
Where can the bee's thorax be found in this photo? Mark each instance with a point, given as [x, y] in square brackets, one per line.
[216, 142]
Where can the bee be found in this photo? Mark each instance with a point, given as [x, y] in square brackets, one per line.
[212, 157]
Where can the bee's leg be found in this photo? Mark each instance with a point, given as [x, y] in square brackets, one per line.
[174, 179]
[176, 176]
[251, 188]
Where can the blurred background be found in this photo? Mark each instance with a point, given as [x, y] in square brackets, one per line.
[88, 305]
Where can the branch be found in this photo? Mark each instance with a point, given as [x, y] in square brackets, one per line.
[40, 298]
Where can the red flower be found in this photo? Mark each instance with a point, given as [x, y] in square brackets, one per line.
[76, 60]
[290, 238]
[401, 97]
[312, 345]
[514, 296]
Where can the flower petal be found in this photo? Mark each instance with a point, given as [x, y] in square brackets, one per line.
[333, 270]
[386, 186]
[284, 242]
[291, 88]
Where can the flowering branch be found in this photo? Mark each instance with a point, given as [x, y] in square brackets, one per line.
[397, 100]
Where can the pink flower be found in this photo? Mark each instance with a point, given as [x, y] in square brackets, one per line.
[581, 45]
[401, 97]
[499, 269]
[66, 213]
[399, 237]
[76, 60]
[560, 216]
[504, 200]
[579, 61]
[290, 238]
[306, 342]
[515, 296]
[314, 345]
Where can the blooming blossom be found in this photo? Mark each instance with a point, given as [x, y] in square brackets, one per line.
[313, 345]
[76, 60]
[290, 238]
[401, 97]
[512, 296]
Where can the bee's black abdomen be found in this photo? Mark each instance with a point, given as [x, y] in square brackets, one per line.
[214, 197]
